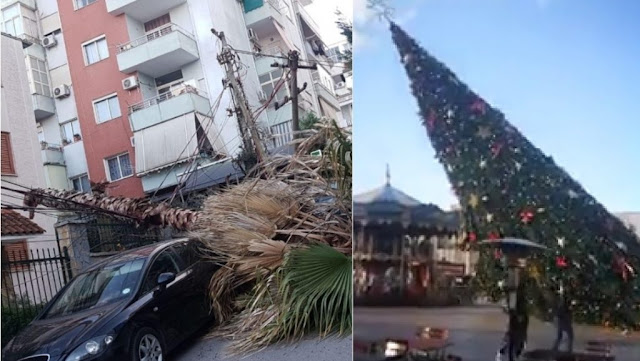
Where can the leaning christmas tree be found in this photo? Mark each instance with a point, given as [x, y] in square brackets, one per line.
[508, 188]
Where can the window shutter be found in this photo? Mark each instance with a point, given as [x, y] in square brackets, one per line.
[7, 155]
[16, 252]
[157, 22]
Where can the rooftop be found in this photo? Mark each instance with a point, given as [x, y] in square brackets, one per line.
[15, 224]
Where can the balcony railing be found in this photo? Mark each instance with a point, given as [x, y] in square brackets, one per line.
[282, 133]
[152, 35]
[184, 89]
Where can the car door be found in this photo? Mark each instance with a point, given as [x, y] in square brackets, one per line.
[195, 286]
[166, 307]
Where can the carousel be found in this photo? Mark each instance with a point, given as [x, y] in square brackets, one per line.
[397, 238]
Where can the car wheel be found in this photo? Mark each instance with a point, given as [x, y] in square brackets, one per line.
[147, 346]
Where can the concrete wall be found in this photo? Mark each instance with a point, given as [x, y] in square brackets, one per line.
[18, 119]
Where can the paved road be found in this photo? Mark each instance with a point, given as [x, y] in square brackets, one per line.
[476, 331]
[330, 349]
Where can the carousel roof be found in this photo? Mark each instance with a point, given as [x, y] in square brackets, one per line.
[386, 194]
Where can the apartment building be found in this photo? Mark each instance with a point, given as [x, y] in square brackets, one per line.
[343, 79]
[136, 99]
[21, 153]
[276, 27]
[37, 24]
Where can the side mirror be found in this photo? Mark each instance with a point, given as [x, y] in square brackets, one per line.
[164, 279]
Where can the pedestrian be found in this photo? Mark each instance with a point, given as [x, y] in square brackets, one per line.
[515, 339]
[563, 320]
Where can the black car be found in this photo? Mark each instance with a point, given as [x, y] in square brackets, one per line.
[135, 306]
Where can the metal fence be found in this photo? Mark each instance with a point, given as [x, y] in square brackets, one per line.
[30, 279]
[112, 237]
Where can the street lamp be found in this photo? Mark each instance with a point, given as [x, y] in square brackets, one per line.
[516, 251]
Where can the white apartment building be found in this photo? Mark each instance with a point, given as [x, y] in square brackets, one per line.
[37, 23]
[21, 153]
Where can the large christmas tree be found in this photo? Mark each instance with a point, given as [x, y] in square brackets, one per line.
[508, 188]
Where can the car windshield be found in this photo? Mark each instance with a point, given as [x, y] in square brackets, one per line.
[98, 287]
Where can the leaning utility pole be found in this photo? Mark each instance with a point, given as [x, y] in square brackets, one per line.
[245, 118]
[294, 65]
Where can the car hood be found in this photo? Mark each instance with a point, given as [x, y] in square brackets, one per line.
[59, 334]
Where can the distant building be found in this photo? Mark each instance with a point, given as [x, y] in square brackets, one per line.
[631, 219]
[404, 248]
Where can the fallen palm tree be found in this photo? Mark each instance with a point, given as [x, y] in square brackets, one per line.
[283, 238]
[285, 241]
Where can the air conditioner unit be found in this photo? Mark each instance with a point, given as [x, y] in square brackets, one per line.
[49, 41]
[129, 83]
[61, 91]
[252, 35]
[340, 85]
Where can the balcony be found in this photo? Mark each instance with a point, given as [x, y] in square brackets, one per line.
[183, 100]
[142, 10]
[52, 154]
[263, 63]
[159, 52]
[262, 17]
[75, 159]
[43, 106]
[31, 4]
[323, 91]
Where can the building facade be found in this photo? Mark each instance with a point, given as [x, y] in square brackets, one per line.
[136, 100]
[21, 153]
[37, 24]
[405, 251]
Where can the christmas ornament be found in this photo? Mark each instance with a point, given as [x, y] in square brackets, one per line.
[572, 194]
[497, 254]
[493, 236]
[561, 242]
[489, 217]
[561, 262]
[473, 201]
[496, 149]
[483, 164]
[479, 106]
[450, 113]
[526, 216]
[518, 166]
[483, 132]
[431, 120]
[472, 237]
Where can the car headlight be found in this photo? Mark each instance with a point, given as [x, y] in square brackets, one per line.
[90, 348]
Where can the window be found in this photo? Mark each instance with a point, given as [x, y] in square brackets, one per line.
[12, 23]
[157, 22]
[81, 183]
[119, 167]
[95, 50]
[39, 76]
[70, 132]
[188, 254]
[105, 285]
[268, 82]
[106, 108]
[82, 3]
[17, 251]
[7, 155]
[162, 264]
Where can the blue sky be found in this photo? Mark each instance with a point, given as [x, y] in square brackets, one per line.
[566, 73]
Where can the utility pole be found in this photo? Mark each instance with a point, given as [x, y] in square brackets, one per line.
[294, 65]
[245, 118]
